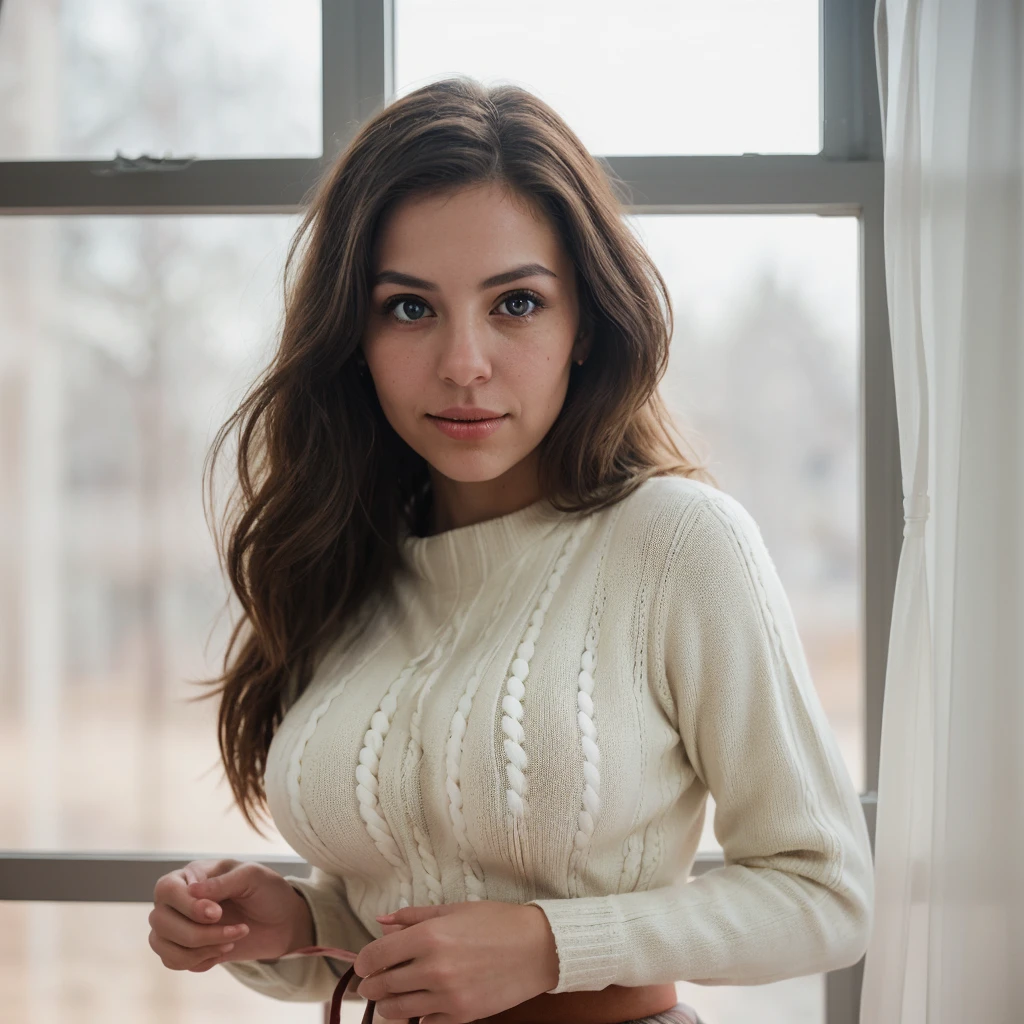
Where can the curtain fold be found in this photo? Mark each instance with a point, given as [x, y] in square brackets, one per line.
[948, 940]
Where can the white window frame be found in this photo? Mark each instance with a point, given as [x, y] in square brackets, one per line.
[845, 179]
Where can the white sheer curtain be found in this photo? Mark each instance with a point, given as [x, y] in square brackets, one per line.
[948, 942]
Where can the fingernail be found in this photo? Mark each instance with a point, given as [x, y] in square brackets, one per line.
[211, 911]
[385, 917]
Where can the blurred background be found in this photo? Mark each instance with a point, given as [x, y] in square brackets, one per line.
[125, 340]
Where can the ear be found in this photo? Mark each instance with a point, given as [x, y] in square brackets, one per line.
[581, 348]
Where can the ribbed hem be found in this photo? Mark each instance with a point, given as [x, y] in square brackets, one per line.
[590, 941]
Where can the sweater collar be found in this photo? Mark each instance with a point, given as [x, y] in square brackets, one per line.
[466, 555]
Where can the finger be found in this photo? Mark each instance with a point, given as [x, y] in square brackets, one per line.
[413, 915]
[235, 883]
[394, 981]
[194, 871]
[198, 870]
[173, 889]
[181, 958]
[207, 964]
[388, 951]
[171, 924]
[410, 1004]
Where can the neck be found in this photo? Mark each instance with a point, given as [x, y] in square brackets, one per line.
[457, 503]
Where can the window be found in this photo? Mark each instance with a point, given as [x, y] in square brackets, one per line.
[782, 1002]
[86, 78]
[82, 962]
[763, 375]
[763, 371]
[135, 298]
[132, 339]
[673, 76]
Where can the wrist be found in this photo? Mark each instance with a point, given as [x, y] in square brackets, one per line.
[548, 965]
[303, 931]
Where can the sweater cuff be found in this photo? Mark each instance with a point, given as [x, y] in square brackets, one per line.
[590, 941]
[332, 919]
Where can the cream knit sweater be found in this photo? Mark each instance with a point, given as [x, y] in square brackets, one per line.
[539, 719]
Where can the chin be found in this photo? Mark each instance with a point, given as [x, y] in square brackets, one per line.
[470, 467]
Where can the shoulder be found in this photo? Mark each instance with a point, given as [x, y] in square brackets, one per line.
[691, 528]
[686, 506]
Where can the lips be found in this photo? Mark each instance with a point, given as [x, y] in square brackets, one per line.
[466, 429]
[466, 412]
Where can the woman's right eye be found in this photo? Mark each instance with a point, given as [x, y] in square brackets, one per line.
[398, 301]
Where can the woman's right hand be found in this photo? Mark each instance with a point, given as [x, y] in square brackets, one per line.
[255, 912]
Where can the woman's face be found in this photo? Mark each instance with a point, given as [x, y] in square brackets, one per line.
[473, 314]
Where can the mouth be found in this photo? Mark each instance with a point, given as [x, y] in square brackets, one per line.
[467, 419]
[467, 429]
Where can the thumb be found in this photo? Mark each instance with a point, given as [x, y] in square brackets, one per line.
[413, 915]
[222, 887]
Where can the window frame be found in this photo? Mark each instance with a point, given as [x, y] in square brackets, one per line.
[845, 179]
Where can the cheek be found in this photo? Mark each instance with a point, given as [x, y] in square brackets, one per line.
[541, 386]
[393, 391]
[397, 380]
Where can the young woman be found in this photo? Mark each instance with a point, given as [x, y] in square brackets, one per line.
[501, 637]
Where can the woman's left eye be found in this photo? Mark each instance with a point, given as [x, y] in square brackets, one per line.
[516, 299]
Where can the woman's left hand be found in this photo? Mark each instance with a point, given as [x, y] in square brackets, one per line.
[458, 962]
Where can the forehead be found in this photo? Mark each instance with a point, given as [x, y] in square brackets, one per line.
[467, 228]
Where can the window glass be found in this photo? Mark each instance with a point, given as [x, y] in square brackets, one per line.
[82, 79]
[648, 77]
[91, 963]
[793, 1001]
[124, 343]
[763, 377]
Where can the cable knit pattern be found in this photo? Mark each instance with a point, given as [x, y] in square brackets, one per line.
[471, 870]
[512, 720]
[589, 746]
[432, 873]
[293, 772]
[627, 663]
[367, 790]
[591, 750]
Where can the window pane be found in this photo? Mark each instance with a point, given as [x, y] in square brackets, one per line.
[91, 963]
[124, 343]
[763, 377]
[795, 1001]
[85, 78]
[648, 77]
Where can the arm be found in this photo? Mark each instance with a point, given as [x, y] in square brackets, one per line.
[310, 978]
[796, 893]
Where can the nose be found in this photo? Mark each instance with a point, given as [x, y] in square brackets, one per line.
[463, 356]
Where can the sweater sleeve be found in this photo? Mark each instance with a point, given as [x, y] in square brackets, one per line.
[309, 979]
[795, 895]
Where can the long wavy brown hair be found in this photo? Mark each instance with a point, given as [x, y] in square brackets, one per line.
[310, 536]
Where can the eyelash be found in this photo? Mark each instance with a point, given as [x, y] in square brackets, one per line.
[394, 300]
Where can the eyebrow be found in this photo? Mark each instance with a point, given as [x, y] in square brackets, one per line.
[517, 273]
